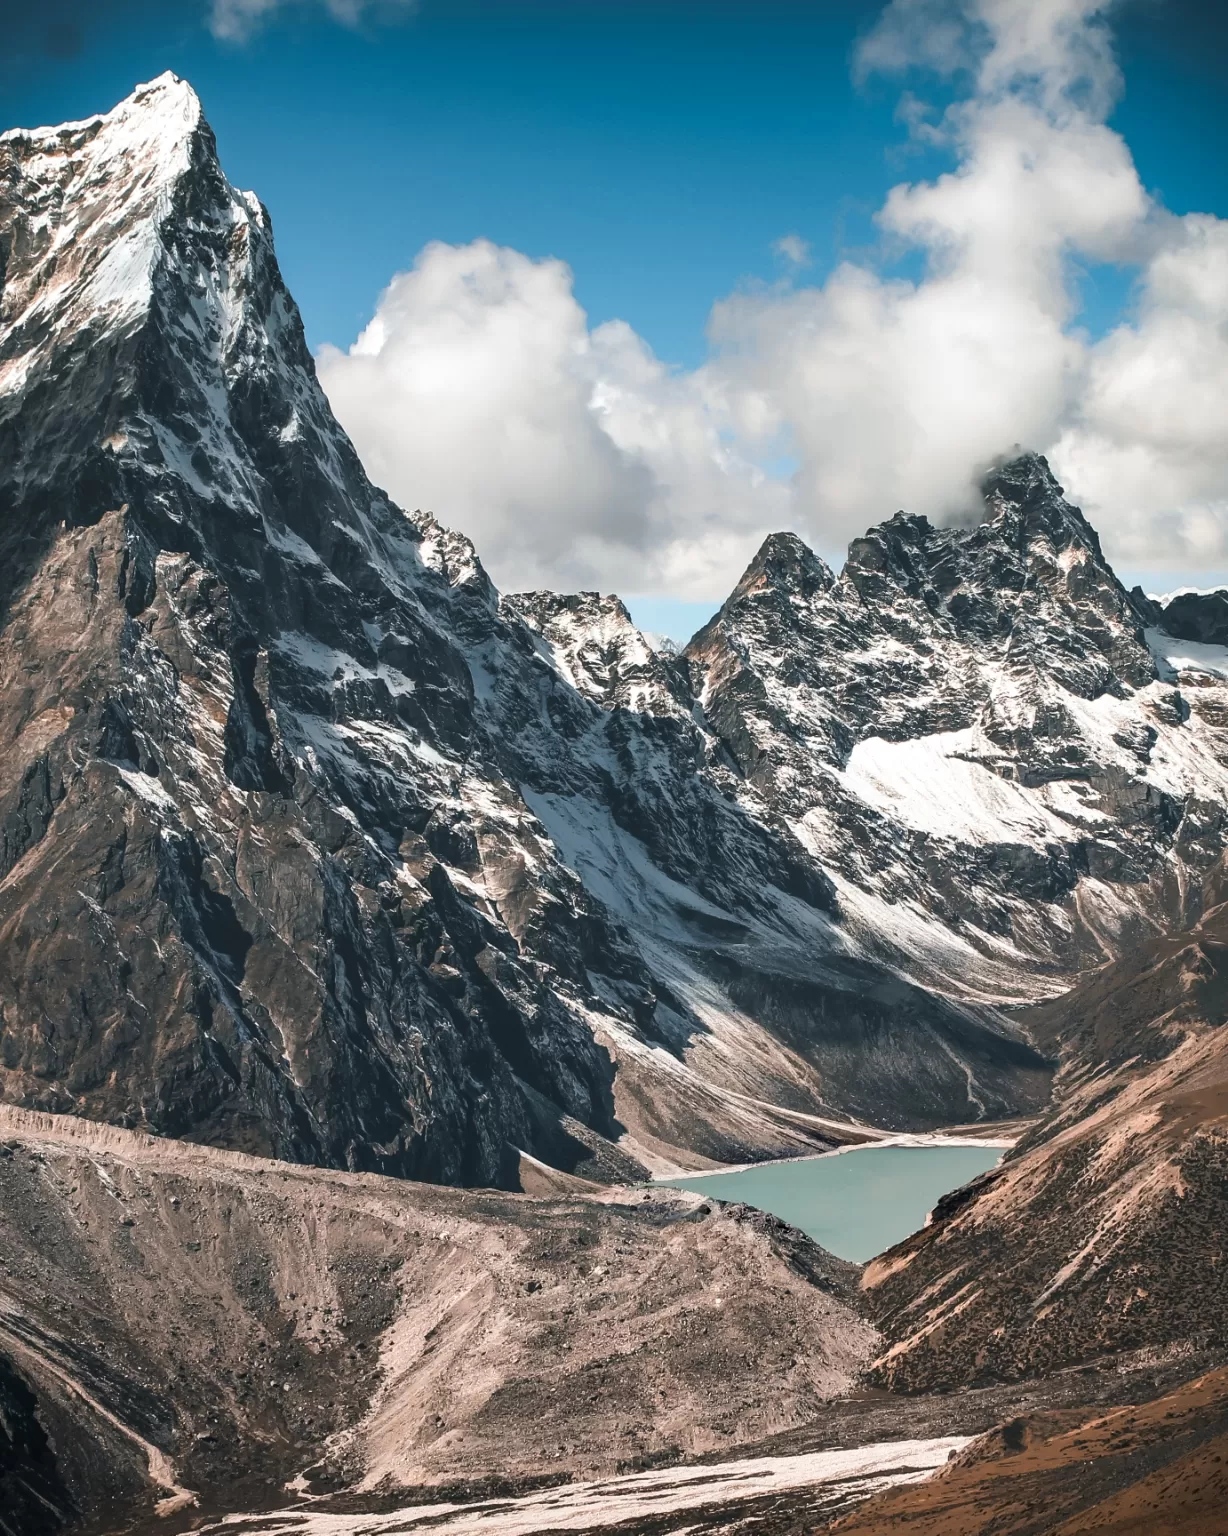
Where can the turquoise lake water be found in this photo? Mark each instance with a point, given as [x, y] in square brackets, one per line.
[856, 1204]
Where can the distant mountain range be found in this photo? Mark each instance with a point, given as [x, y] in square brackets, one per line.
[314, 846]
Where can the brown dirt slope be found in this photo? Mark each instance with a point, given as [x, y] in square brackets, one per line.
[1135, 1471]
[1107, 1229]
[180, 1320]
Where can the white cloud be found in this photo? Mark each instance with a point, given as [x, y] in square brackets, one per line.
[234, 21]
[898, 393]
[792, 249]
[576, 457]
[1055, 51]
[1147, 448]
[572, 457]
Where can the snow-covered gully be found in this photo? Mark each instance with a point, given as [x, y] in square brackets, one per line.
[830, 1481]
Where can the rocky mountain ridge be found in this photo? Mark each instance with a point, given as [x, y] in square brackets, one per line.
[977, 727]
[316, 846]
[1010, 767]
[1095, 1248]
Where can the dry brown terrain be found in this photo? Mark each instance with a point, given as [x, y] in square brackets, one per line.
[189, 1322]
[1160, 1469]
[1102, 1239]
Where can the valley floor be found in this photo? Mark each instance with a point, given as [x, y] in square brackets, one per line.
[692, 1496]
[1087, 1448]
[216, 1342]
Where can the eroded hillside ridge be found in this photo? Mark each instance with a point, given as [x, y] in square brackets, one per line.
[196, 1329]
[309, 845]
[1103, 1231]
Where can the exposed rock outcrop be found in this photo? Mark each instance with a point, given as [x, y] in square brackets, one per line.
[1198, 616]
[977, 734]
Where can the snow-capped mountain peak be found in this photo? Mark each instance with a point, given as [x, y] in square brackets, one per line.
[313, 844]
[93, 196]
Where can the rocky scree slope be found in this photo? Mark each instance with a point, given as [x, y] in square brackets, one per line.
[311, 846]
[194, 1329]
[1140, 1468]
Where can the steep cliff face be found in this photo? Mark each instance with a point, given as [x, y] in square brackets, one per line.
[226, 691]
[234, 730]
[309, 846]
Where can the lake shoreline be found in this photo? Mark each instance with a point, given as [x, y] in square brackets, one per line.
[917, 1139]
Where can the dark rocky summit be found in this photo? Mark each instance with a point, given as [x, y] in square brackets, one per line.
[1198, 616]
[974, 727]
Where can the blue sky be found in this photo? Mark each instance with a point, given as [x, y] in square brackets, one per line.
[657, 148]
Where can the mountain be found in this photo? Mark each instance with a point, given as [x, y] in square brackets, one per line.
[1093, 1253]
[315, 847]
[1009, 767]
[1103, 1231]
[1008, 774]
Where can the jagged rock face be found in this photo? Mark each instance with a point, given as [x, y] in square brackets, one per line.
[594, 644]
[214, 664]
[308, 846]
[1198, 616]
[35, 1499]
[973, 731]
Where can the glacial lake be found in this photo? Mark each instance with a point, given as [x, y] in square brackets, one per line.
[854, 1204]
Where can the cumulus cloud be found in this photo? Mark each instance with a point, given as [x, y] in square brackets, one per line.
[575, 456]
[897, 393]
[235, 21]
[1146, 447]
